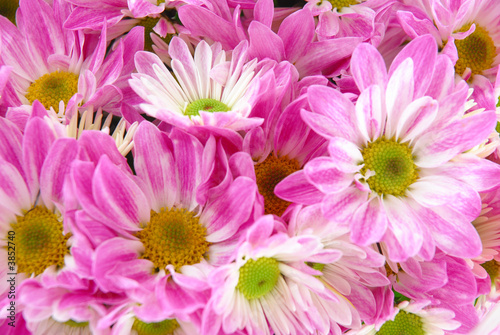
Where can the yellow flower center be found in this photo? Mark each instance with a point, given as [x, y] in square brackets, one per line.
[268, 174]
[404, 323]
[343, 3]
[493, 269]
[51, 88]
[393, 165]
[257, 278]
[75, 324]
[477, 51]
[173, 236]
[40, 242]
[9, 8]
[165, 327]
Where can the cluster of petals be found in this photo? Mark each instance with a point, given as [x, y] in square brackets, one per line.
[239, 167]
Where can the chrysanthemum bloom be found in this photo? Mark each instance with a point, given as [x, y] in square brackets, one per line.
[148, 232]
[33, 169]
[264, 291]
[207, 88]
[413, 318]
[50, 64]
[468, 31]
[294, 41]
[393, 174]
[349, 277]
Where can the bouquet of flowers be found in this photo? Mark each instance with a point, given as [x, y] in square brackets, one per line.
[249, 167]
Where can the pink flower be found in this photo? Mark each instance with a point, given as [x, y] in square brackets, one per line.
[395, 173]
[50, 64]
[150, 233]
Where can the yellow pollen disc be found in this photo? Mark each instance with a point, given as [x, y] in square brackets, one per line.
[268, 174]
[173, 236]
[477, 51]
[343, 3]
[165, 327]
[40, 242]
[53, 87]
[493, 269]
[75, 324]
[9, 8]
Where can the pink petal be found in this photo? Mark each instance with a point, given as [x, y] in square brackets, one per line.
[370, 113]
[369, 223]
[335, 106]
[423, 51]
[459, 136]
[55, 168]
[296, 188]
[263, 12]
[368, 67]
[297, 32]
[14, 194]
[154, 163]
[118, 196]
[225, 215]
[345, 155]
[340, 207]
[404, 225]
[264, 43]
[416, 118]
[38, 139]
[323, 173]
[399, 94]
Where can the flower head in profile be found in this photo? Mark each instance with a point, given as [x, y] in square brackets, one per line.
[395, 171]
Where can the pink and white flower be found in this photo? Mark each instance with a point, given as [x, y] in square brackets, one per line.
[395, 171]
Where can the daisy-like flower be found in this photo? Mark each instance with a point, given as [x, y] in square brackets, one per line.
[393, 173]
[49, 63]
[468, 31]
[32, 213]
[261, 291]
[413, 318]
[207, 88]
[148, 232]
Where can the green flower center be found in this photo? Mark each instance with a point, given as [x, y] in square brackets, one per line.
[257, 278]
[52, 88]
[174, 236]
[404, 323]
[493, 269]
[477, 51]
[39, 241]
[393, 165]
[9, 8]
[206, 105]
[165, 327]
[268, 174]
